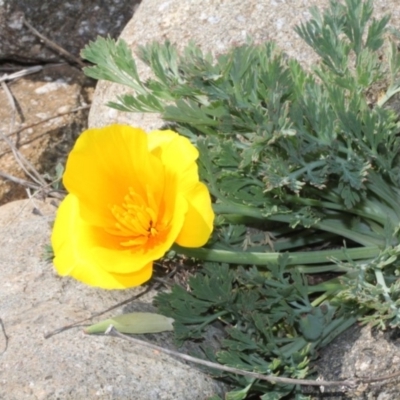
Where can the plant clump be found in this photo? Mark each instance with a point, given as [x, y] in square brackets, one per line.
[304, 172]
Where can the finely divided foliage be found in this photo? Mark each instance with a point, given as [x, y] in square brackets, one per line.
[304, 169]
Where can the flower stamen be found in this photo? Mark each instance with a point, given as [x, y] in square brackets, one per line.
[134, 219]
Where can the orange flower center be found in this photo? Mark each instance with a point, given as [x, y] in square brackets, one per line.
[136, 219]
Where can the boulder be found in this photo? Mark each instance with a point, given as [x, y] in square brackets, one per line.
[34, 300]
[70, 24]
[215, 26]
[362, 352]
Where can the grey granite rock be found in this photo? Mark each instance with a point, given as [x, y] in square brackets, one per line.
[362, 352]
[71, 24]
[71, 365]
[215, 26]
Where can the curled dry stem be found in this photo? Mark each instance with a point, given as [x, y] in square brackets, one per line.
[347, 383]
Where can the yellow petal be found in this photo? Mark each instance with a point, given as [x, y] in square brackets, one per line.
[158, 139]
[171, 145]
[105, 280]
[132, 195]
[178, 155]
[104, 164]
[199, 218]
[74, 241]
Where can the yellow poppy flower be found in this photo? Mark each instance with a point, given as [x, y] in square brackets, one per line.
[131, 196]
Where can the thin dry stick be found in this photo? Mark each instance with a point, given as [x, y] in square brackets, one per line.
[78, 323]
[21, 73]
[11, 101]
[39, 189]
[19, 130]
[54, 45]
[270, 378]
[349, 383]
[20, 159]
[35, 176]
[27, 167]
[14, 76]
[5, 336]
[22, 182]
[38, 186]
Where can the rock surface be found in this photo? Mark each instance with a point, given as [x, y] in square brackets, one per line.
[362, 353]
[71, 24]
[71, 365]
[215, 26]
[34, 300]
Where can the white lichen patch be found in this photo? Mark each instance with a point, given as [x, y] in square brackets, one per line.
[51, 87]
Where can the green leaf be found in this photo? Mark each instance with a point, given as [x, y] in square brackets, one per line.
[48, 253]
[276, 394]
[312, 325]
[134, 323]
[238, 394]
[114, 62]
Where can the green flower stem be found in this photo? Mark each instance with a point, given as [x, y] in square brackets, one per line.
[295, 258]
[327, 288]
[388, 95]
[321, 299]
[338, 225]
[321, 268]
[365, 211]
[374, 208]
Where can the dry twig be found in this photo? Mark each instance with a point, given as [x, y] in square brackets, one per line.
[42, 121]
[26, 166]
[21, 73]
[348, 383]
[19, 181]
[5, 335]
[54, 45]
[38, 184]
